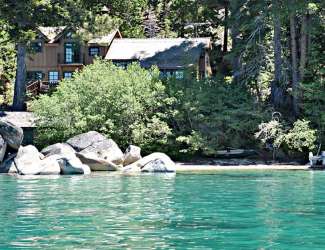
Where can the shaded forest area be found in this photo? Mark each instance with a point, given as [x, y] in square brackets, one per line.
[267, 90]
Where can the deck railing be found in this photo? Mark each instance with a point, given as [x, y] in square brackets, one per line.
[37, 87]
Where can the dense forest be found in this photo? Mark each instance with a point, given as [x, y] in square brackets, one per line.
[266, 92]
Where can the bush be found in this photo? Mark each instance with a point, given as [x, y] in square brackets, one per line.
[125, 105]
[212, 114]
[301, 137]
[296, 138]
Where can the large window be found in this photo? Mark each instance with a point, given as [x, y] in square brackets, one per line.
[67, 75]
[53, 76]
[94, 51]
[71, 53]
[68, 53]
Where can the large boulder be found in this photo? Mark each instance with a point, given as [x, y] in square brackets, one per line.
[132, 154]
[94, 142]
[28, 160]
[58, 148]
[8, 166]
[82, 141]
[153, 163]
[107, 150]
[49, 166]
[70, 164]
[3, 148]
[12, 134]
[97, 164]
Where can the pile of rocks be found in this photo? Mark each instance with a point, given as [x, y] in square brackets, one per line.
[81, 154]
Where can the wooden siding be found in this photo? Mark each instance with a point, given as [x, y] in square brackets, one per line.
[52, 58]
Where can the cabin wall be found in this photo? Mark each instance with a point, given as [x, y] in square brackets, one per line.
[51, 58]
[204, 65]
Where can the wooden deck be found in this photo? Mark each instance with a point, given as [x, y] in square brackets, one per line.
[35, 88]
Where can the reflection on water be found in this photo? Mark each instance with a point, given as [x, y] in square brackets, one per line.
[243, 210]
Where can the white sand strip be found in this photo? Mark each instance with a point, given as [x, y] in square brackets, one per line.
[183, 167]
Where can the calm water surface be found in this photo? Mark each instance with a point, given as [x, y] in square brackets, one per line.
[227, 210]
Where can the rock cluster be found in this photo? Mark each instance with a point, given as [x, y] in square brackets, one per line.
[80, 154]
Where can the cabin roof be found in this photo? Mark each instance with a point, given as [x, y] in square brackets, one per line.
[105, 40]
[165, 53]
[52, 33]
[20, 119]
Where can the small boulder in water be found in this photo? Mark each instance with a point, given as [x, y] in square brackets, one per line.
[131, 155]
[70, 164]
[28, 160]
[153, 163]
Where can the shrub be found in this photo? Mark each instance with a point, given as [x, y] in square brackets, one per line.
[125, 105]
[211, 114]
[301, 137]
[298, 137]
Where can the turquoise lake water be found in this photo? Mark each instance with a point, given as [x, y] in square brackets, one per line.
[226, 210]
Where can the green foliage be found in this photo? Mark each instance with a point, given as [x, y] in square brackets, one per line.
[271, 132]
[299, 137]
[122, 104]
[211, 114]
[8, 55]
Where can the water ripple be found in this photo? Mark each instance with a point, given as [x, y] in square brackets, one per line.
[253, 210]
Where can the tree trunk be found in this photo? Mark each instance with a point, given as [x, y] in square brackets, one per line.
[277, 91]
[20, 82]
[294, 65]
[303, 47]
[225, 32]
[236, 66]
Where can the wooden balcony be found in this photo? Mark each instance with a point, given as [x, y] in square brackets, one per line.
[34, 88]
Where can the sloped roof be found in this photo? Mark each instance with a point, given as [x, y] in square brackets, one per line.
[105, 40]
[165, 53]
[52, 33]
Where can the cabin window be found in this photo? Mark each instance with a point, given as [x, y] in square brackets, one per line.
[37, 47]
[53, 76]
[68, 53]
[34, 75]
[123, 64]
[67, 75]
[178, 74]
[71, 53]
[94, 51]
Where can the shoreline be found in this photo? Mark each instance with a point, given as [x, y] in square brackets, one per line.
[182, 167]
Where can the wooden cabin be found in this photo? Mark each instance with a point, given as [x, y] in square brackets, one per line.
[56, 54]
[172, 55]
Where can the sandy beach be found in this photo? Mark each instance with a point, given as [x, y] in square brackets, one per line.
[187, 167]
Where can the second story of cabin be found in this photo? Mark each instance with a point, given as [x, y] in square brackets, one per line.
[56, 53]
